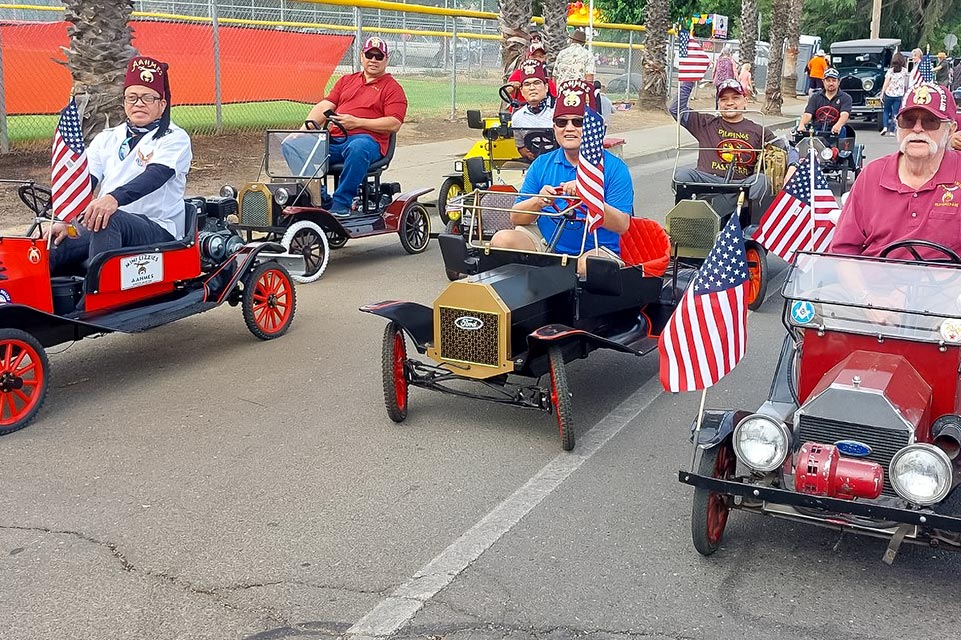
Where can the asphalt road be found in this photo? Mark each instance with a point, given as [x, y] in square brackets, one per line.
[193, 482]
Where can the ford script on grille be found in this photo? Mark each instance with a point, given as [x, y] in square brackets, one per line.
[468, 323]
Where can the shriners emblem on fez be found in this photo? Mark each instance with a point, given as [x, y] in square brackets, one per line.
[375, 42]
[572, 97]
[922, 95]
[146, 75]
[529, 66]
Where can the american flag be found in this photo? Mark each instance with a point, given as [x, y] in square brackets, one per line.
[70, 176]
[790, 224]
[693, 61]
[590, 168]
[707, 334]
[923, 71]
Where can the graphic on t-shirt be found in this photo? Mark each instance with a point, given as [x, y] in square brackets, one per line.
[737, 151]
[826, 116]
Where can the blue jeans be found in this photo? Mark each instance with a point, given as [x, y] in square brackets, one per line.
[123, 230]
[892, 104]
[357, 153]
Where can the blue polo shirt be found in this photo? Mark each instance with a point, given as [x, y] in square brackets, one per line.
[553, 169]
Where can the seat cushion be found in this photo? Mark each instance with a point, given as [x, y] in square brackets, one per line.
[646, 244]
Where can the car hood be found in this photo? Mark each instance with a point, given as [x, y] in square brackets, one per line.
[859, 73]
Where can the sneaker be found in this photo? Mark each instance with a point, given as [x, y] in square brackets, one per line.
[884, 132]
[340, 212]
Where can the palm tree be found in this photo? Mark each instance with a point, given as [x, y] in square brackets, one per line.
[793, 35]
[514, 20]
[555, 26]
[772, 90]
[653, 57]
[748, 32]
[100, 46]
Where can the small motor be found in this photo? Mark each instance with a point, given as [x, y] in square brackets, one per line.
[217, 240]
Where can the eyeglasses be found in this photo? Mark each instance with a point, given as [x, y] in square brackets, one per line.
[928, 121]
[373, 55]
[147, 99]
[527, 84]
[562, 123]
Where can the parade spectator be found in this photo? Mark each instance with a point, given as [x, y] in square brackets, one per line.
[896, 82]
[942, 70]
[747, 82]
[723, 71]
[816, 67]
[574, 62]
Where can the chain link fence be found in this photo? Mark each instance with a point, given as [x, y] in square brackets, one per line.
[246, 65]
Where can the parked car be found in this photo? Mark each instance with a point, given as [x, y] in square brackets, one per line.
[862, 64]
[413, 50]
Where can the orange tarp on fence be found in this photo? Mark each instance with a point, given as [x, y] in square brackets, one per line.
[256, 64]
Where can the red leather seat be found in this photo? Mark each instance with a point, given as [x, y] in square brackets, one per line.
[646, 243]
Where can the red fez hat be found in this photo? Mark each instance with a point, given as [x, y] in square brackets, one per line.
[147, 72]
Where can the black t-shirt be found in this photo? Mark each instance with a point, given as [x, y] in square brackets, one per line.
[825, 112]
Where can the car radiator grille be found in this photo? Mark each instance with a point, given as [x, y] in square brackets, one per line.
[884, 443]
[693, 233]
[478, 346]
[253, 209]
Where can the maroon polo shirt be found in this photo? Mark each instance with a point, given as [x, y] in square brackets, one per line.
[881, 209]
[382, 96]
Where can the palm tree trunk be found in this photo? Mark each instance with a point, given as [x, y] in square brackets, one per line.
[653, 58]
[772, 91]
[748, 32]
[100, 46]
[514, 19]
[555, 26]
[793, 35]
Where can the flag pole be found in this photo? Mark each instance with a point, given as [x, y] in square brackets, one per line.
[812, 160]
[697, 428]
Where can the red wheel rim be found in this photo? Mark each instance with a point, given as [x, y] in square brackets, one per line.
[755, 272]
[21, 380]
[400, 376]
[271, 301]
[717, 505]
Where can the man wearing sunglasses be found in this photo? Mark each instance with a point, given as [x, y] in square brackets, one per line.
[141, 170]
[370, 105]
[537, 115]
[914, 193]
[554, 174]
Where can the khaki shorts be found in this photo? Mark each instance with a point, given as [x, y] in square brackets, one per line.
[533, 232]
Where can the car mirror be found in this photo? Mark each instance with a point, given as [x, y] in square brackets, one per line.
[474, 119]
[603, 276]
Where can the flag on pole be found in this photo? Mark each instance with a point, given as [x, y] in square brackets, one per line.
[706, 336]
[923, 71]
[70, 176]
[590, 168]
[790, 224]
[693, 62]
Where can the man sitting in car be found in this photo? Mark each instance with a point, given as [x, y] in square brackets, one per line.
[535, 51]
[141, 170]
[538, 112]
[829, 109]
[554, 174]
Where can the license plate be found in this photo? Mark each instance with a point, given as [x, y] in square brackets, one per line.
[874, 102]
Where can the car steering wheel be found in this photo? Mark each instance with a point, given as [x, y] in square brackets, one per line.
[311, 124]
[37, 199]
[912, 246]
[508, 94]
[540, 142]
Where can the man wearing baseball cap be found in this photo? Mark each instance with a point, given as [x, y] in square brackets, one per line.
[538, 110]
[912, 194]
[554, 174]
[370, 105]
[575, 61]
[828, 109]
[141, 170]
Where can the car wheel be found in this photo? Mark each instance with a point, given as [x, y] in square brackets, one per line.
[450, 188]
[561, 399]
[710, 510]
[415, 229]
[757, 275]
[269, 300]
[24, 379]
[306, 238]
[336, 240]
[394, 372]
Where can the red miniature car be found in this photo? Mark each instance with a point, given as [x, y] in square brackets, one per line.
[129, 290]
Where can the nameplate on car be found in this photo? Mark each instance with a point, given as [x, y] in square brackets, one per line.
[468, 323]
[140, 270]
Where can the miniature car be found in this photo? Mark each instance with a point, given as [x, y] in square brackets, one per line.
[520, 316]
[291, 208]
[129, 290]
[839, 155]
[862, 64]
[861, 430]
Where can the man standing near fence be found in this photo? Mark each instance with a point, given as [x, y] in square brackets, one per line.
[574, 62]
[370, 105]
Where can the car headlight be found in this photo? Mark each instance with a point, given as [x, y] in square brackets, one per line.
[281, 196]
[227, 191]
[827, 153]
[459, 166]
[761, 442]
[867, 83]
[921, 474]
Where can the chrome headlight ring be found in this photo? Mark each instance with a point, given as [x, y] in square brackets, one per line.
[761, 442]
[867, 83]
[228, 191]
[921, 473]
[281, 196]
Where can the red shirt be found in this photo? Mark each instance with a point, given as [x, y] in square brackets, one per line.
[881, 209]
[380, 97]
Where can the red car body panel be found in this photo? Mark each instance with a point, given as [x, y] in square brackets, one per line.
[25, 273]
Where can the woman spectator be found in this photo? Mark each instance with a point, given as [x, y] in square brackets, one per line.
[723, 70]
[896, 83]
[747, 83]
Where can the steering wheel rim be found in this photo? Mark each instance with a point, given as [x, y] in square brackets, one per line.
[38, 199]
[508, 94]
[540, 142]
[911, 246]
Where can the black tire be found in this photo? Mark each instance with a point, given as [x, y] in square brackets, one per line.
[394, 372]
[414, 229]
[306, 238]
[269, 300]
[758, 274]
[24, 379]
[335, 240]
[561, 399]
[449, 188]
[710, 510]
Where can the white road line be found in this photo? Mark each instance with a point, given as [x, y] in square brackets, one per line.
[399, 608]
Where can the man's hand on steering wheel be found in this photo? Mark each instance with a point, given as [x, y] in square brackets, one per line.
[346, 121]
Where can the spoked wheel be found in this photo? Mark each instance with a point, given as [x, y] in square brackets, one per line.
[757, 274]
[415, 229]
[335, 240]
[561, 399]
[269, 301]
[306, 238]
[394, 371]
[450, 188]
[24, 378]
[710, 510]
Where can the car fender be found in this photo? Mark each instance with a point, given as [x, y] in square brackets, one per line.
[415, 319]
[716, 426]
[396, 209]
[48, 328]
[558, 334]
